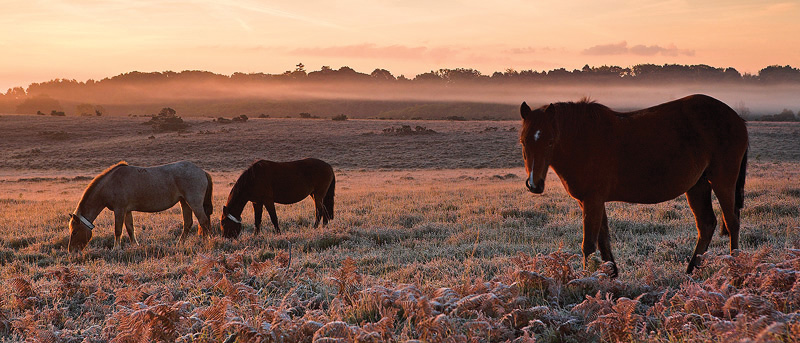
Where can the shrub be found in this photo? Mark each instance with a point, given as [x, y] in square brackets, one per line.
[340, 117]
[785, 115]
[406, 130]
[57, 113]
[167, 120]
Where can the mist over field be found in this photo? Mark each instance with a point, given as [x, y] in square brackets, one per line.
[435, 95]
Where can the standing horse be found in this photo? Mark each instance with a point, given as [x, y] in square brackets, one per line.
[265, 183]
[692, 145]
[123, 188]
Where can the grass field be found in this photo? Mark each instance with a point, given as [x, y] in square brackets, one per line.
[434, 239]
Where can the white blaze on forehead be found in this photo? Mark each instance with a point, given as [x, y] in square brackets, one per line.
[536, 135]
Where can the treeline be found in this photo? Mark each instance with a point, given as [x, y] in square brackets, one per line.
[642, 73]
[202, 92]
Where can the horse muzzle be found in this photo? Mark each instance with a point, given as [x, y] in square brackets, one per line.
[536, 188]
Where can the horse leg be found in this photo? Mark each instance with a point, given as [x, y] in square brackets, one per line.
[258, 212]
[725, 192]
[272, 215]
[604, 244]
[592, 221]
[119, 220]
[187, 219]
[318, 209]
[129, 227]
[699, 198]
[203, 222]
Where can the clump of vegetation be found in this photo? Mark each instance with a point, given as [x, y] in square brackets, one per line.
[263, 115]
[89, 110]
[785, 115]
[406, 130]
[456, 118]
[340, 117]
[54, 135]
[240, 119]
[40, 113]
[306, 115]
[57, 113]
[167, 120]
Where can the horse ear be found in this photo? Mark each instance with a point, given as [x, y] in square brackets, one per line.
[524, 111]
[550, 108]
[71, 215]
[224, 210]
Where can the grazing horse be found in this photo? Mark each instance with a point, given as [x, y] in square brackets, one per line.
[122, 188]
[265, 183]
[691, 145]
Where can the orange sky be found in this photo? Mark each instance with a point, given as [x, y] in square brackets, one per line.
[83, 39]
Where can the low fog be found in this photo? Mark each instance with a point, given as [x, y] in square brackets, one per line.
[364, 99]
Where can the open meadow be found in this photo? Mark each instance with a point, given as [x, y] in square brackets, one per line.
[435, 239]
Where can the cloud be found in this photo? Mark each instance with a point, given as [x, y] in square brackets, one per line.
[607, 49]
[622, 48]
[375, 51]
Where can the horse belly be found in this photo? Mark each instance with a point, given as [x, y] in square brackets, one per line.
[286, 198]
[651, 188]
[161, 196]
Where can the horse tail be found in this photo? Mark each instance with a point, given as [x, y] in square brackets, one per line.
[328, 201]
[739, 197]
[208, 206]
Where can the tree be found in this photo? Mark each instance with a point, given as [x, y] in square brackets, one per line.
[37, 103]
[167, 112]
[382, 75]
[85, 110]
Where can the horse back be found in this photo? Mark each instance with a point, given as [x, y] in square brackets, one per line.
[290, 182]
[654, 154]
[152, 189]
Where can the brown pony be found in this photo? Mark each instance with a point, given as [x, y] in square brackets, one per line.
[265, 183]
[123, 188]
[692, 145]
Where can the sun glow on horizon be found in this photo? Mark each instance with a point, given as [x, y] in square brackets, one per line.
[93, 40]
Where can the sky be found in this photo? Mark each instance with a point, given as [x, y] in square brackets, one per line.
[92, 39]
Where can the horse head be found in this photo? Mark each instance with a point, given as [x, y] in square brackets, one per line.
[231, 226]
[80, 232]
[538, 136]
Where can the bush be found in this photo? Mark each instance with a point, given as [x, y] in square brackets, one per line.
[306, 115]
[57, 113]
[340, 117]
[406, 130]
[785, 115]
[240, 119]
[167, 120]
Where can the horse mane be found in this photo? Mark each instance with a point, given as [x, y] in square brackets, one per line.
[97, 179]
[245, 178]
[582, 116]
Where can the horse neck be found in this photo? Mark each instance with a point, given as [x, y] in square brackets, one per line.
[238, 197]
[90, 205]
[582, 140]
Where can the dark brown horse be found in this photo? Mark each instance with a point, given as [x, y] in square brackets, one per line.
[265, 183]
[692, 145]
